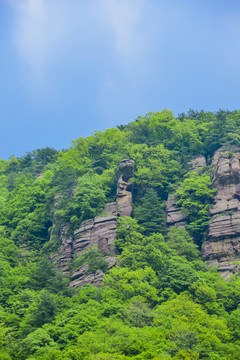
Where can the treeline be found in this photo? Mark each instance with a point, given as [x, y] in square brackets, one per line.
[160, 301]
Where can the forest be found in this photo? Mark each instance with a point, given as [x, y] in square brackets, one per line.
[161, 300]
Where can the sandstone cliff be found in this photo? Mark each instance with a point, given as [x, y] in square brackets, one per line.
[222, 245]
[99, 231]
[222, 248]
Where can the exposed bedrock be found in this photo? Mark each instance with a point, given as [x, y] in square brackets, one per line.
[83, 276]
[124, 187]
[174, 214]
[222, 246]
[197, 163]
[100, 231]
[65, 250]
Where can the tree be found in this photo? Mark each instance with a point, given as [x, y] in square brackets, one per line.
[180, 240]
[194, 196]
[150, 213]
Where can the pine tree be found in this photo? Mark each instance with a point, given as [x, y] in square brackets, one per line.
[150, 213]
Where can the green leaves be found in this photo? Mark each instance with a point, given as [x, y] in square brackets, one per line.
[161, 301]
[194, 197]
[93, 258]
[150, 213]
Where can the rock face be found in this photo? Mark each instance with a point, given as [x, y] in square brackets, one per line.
[83, 276]
[174, 214]
[124, 187]
[100, 231]
[65, 251]
[197, 163]
[223, 245]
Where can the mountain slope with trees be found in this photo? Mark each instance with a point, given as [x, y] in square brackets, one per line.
[161, 301]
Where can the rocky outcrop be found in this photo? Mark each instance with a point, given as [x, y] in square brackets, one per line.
[222, 247]
[224, 254]
[124, 187]
[99, 231]
[197, 163]
[65, 250]
[174, 214]
[83, 276]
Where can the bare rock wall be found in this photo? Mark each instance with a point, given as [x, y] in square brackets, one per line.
[222, 248]
[99, 231]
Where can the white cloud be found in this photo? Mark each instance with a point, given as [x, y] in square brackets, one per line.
[124, 17]
[37, 27]
[45, 28]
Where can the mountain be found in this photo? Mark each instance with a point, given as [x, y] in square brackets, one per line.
[125, 245]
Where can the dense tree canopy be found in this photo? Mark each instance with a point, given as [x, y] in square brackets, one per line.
[160, 301]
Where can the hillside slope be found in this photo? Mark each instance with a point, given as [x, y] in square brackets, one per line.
[130, 210]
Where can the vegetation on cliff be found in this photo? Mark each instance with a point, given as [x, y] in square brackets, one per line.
[161, 301]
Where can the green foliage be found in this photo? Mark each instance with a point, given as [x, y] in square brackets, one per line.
[156, 167]
[93, 258]
[129, 283]
[150, 213]
[195, 196]
[160, 301]
[179, 240]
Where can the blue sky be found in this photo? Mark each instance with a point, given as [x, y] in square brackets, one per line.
[69, 67]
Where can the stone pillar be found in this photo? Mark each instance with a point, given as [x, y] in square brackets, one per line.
[124, 187]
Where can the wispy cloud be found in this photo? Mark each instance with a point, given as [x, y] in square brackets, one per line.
[124, 17]
[37, 28]
[42, 26]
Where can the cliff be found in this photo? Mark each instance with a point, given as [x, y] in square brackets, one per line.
[99, 231]
[222, 247]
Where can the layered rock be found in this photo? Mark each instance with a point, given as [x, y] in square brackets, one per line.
[222, 247]
[65, 250]
[99, 231]
[83, 276]
[174, 214]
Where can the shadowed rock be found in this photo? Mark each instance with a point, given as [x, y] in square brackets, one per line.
[222, 247]
[174, 214]
[124, 187]
[100, 231]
